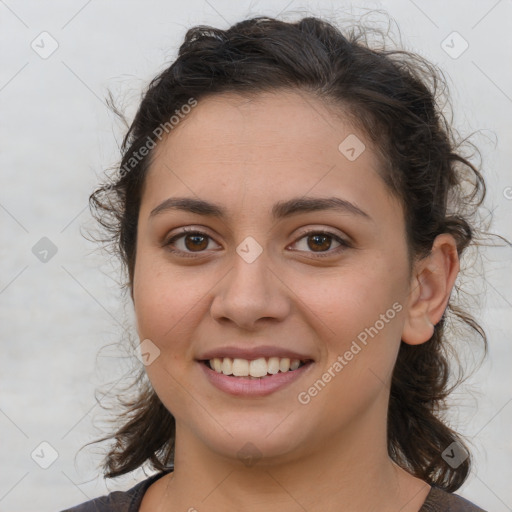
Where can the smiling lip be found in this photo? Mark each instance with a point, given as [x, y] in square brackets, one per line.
[250, 354]
[250, 386]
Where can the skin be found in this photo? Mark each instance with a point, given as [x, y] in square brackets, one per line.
[247, 154]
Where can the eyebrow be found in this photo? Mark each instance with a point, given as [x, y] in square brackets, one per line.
[280, 210]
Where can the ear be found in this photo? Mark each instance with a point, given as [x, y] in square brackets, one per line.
[431, 285]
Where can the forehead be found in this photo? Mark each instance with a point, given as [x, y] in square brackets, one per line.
[265, 146]
[281, 123]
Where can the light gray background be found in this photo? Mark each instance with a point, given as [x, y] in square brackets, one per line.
[57, 137]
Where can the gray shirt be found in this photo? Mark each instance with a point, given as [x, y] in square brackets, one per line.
[437, 500]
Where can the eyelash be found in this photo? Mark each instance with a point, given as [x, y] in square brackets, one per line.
[187, 231]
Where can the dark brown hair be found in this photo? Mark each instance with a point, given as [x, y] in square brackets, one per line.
[393, 97]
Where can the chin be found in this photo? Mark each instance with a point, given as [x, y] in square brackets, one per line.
[252, 444]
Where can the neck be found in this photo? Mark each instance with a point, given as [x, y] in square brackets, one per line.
[352, 470]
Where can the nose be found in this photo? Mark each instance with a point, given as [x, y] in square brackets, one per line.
[250, 295]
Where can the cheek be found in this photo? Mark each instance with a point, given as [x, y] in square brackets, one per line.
[347, 300]
[168, 307]
[360, 310]
[361, 315]
[166, 302]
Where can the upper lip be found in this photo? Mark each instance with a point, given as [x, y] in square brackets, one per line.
[252, 353]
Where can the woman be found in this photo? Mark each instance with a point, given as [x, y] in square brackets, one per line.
[290, 212]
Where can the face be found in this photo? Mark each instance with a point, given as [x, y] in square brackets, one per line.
[270, 277]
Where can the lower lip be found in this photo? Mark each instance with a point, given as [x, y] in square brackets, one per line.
[247, 387]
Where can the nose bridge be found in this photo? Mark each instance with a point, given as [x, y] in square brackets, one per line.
[250, 268]
[250, 291]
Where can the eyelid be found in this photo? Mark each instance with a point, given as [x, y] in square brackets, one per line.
[344, 243]
[325, 230]
[182, 233]
[303, 233]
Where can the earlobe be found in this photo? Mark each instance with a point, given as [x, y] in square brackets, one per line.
[431, 286]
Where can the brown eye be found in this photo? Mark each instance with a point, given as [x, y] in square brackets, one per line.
[320, 242]
[188, 242]
[195, 242]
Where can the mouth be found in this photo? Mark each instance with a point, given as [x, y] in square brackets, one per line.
[260, 368]
[256, 378]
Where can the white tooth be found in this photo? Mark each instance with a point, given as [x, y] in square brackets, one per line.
[284, 364]
[227, 366]
[240, 367]
[258, 367]
[273, 365]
